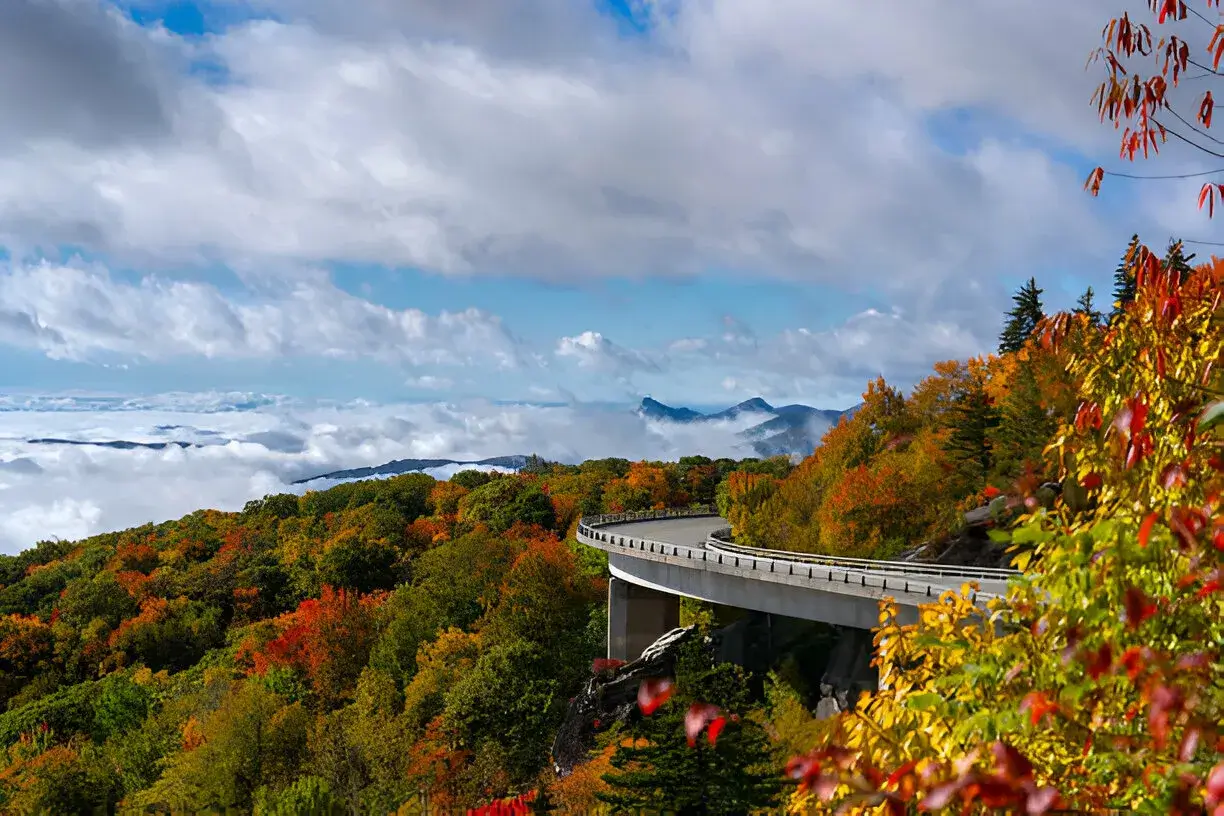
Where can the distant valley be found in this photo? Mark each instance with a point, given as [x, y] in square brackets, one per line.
[787, 430]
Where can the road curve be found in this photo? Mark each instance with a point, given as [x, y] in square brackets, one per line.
[677, 555]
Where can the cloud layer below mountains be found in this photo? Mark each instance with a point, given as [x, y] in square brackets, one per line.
[74, 491]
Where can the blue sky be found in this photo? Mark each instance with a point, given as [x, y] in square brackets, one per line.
[539, 200]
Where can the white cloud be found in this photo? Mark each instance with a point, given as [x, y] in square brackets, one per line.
[431, 383]
[71, 491]
[592, 350]
[80, 312]
[834, 363]
[462, 138]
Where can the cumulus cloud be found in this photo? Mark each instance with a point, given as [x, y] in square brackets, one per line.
[77, 70]
[592, 350]
[527, 138]
[79, 312]
[71, 491]
[900, 345]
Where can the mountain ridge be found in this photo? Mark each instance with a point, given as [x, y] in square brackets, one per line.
[793, 430]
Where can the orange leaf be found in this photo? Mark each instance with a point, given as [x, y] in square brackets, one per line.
[1093, 184]
[1145, 529]
[1216, 46]
[1037, 705]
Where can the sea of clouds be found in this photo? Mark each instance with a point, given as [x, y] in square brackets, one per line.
[252, 445]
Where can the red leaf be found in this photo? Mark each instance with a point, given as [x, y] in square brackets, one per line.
[1208, 588]
[1010, 763]
[1038, 705]
[1040, 801]
[1165, 702]
[1189, 744]
[1207, 193]
[1215, 785]
[652, 693]
[825, 786]
[940, 796]
[803, 768]
[1198, 660]
[699, 715]
[1145, 529]
[1138, 607]
[1100, 661]
[716, 727]
[1173, 476]
[1133, 660]
[1092, 481]
[897, 775]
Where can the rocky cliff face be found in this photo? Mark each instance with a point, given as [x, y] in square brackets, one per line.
[611, 696]
[838, 671]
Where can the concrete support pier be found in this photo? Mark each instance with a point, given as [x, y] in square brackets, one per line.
[637, 617]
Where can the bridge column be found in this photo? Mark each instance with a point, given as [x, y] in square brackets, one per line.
[637, 617]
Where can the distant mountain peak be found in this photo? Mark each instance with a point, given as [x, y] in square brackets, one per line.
[755, 404]
[653, 409]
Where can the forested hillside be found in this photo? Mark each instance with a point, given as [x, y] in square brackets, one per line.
[354, 646]
[906, 467]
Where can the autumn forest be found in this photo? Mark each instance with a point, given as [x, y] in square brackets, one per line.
[410, 645]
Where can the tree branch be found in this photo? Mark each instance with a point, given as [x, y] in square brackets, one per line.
[1194, 128]
[1174, 133]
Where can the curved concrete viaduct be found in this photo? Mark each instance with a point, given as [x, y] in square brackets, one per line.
[657, 556]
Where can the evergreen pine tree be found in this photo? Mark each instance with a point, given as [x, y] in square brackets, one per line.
[1025, 426]
[1086, 306]
[1023, 318]
[659, 772]
[1124, 279]
[1177, 259]
[972, 420]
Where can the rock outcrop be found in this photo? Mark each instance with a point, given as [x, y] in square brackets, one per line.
[612, 697]
[755, 641]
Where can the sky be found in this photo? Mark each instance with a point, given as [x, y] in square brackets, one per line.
[574, 202]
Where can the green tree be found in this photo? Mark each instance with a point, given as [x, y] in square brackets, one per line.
[508, 704]
[971, 421]
[1024, 426]
[251, 740]
[1086, 306]
[1124, 279]
[1023, 318]
[307, 796]
[363, 566]
[472, 479]
[530, 506]
[537, 465]
[657, 770]
[1178, 261]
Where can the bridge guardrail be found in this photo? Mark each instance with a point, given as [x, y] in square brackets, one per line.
[717, 544]
[778, 561]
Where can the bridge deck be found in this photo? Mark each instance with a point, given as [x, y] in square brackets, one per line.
[693, 532]
[677, 555]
